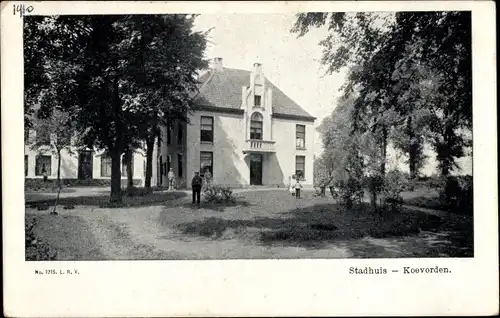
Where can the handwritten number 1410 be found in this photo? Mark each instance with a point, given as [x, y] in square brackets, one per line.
[22, 9]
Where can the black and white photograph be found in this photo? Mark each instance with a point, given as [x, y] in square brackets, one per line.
[337, 135]
[164, 136]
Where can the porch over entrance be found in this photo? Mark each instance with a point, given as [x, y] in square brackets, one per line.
[258, 146]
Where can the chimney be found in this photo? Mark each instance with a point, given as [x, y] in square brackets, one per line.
[217, 64]
[257, 67]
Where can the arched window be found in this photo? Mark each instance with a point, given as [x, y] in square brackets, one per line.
[256, 126]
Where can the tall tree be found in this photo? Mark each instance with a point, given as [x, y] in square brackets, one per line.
[385, 53]
[167, 58]
[127, 74]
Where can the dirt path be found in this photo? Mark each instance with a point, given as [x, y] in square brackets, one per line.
[149, 233]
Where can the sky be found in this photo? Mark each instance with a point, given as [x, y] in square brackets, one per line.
[291, 63]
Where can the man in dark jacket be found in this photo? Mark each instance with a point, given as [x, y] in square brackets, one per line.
[196, 187]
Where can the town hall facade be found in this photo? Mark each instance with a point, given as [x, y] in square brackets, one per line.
[245, 131]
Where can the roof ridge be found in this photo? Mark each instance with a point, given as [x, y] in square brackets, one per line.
[210, 76]
[223, 89]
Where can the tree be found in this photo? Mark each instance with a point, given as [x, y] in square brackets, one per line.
[51, 61]
[124, 75]
[54, 134]
[167, 57]
[390, 57]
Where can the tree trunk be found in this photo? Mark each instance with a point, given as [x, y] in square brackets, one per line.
[373, 200]
[149, 162]
[116, 178]
[384, 150]
[130, 176]
[58, 182]
[116, 151]
[412, 148]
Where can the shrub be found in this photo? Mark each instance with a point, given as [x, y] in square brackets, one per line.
[134, 191]
[457, 194]
[350, 191]
[395, 183]
[35, 249]
[374, 183]
[218, 194]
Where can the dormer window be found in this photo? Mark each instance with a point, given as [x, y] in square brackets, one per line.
[257, 100]
[256, 126]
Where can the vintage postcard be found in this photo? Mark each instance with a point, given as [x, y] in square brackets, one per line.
[249, 158]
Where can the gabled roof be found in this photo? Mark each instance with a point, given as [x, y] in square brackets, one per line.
[222, 88]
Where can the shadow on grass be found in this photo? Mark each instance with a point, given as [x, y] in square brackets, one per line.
[102, 201]
[318, 225]
[49, 190]
[218, 207]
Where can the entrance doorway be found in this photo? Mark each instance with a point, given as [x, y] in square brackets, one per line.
[85, 165]
[256, 169]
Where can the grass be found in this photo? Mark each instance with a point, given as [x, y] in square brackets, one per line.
[68, 236]
[424, 198]
[143, 199]
[261, 224]
[50, 190]
[312, 226]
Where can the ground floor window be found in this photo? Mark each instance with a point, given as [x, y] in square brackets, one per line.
[105, 166]
[179, 165]
[124, 165]
[43, 165]
[25, 165]
[206, 162]
[300, 163]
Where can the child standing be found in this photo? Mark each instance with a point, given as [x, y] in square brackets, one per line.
[171, 179]
[298, 186]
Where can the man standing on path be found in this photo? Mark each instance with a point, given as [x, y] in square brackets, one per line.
[171, 179]
[196, 187]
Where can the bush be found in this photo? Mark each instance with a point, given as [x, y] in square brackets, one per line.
[134, 191]
[35, 249]
[350, 191]
[218, 194]
[395, 183]
[375, 183]
[457, 194]
[432, 182]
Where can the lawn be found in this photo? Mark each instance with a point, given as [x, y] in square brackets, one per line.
[35, 200]
[425, 198]
[260, 225]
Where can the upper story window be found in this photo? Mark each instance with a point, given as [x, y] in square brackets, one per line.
[169, 135]
[300, 136]
[180, 134]
[42, 137]
[207, 129]
[256, 126]
[257, 100]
